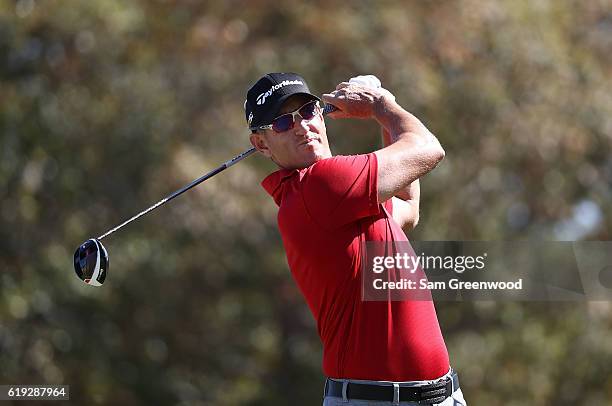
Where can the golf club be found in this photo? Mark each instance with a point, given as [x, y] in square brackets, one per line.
[91, 260]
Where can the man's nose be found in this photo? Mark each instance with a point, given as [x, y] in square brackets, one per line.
[301, 125]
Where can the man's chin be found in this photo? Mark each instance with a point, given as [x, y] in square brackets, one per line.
[317, 155]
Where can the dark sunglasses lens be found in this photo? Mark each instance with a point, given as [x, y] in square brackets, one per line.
[283, 123]
[308, 111]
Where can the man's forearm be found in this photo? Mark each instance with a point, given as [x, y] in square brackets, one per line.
[401, 124]
[410, 192]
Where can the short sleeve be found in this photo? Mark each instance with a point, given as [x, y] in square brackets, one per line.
[341, 189]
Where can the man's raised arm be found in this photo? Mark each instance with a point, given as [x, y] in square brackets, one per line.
[414, 150]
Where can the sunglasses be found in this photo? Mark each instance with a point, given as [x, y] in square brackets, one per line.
[286, 122]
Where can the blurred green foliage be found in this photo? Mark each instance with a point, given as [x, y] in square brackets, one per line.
[107, 106]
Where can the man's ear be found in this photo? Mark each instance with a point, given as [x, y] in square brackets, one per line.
[259, 142]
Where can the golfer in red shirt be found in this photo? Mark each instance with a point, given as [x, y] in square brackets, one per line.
[374, 352]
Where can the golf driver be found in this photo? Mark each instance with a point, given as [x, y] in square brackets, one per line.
[91, 260]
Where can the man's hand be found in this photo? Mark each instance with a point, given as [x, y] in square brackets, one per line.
[354, 100]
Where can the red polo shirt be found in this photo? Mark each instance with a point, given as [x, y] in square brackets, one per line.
[326, 212]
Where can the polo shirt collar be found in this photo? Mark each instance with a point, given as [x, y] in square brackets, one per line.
[273, 182]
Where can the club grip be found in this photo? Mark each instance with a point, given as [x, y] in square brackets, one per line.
[328, 109]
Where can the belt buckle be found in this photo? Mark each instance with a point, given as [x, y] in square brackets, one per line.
[439, 390]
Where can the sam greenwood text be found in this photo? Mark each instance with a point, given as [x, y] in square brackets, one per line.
[455, 284]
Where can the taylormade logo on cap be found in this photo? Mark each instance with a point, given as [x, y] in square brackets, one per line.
[261, 99]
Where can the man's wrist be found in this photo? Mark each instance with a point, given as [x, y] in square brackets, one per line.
[383, 106]
[393, 118]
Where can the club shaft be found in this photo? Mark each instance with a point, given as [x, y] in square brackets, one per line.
[179, 192]
[327, 109]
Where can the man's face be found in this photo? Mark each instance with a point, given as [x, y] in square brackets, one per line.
[299, 147]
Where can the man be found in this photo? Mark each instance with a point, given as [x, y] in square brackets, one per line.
[386, 352]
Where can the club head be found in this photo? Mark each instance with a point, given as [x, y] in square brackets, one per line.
[91, 262]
